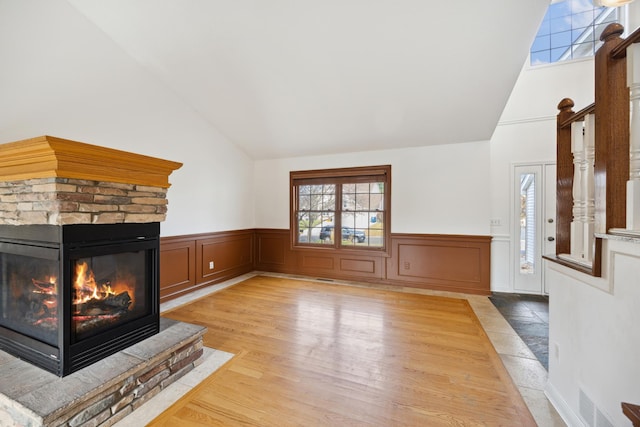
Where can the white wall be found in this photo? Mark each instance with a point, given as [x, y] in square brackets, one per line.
[440, 189]
[527, 134]
[594, 340]
[63, 77]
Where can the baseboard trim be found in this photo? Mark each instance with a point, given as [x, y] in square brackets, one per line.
[565, 412]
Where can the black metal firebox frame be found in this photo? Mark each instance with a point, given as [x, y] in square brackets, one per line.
[66, 243]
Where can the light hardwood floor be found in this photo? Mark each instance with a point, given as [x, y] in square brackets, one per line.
[315, 354]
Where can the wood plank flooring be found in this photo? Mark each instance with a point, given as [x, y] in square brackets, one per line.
[316, 354]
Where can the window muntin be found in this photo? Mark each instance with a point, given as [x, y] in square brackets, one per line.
[316, 207]
[363, 214]
[571, 29]
[341, 208]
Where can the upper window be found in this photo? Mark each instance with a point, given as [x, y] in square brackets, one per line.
[341, 208]
[571, 29]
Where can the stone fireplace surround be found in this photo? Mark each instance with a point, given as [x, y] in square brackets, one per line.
[62, 201]
[48, 180]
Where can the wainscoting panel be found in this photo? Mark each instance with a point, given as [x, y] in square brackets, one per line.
[434, 262]
[221, 255]
[319, 262]
[231, 253]
[447, 262]
[322, 262]
[273, 251]
[177, 267]
[327, 264]
[367, 266]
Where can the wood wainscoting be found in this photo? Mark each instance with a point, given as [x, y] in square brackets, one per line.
[456, 263]
[186, 261]
[274, 254]
[441, 261]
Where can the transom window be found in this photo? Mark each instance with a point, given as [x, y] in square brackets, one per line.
[341, 208]
[571, 29]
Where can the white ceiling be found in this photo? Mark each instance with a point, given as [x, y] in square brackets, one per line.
[285, 78]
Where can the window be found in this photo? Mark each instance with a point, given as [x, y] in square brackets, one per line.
[341, 208]
[527, 223]
[571, 29]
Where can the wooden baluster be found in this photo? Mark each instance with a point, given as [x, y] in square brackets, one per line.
[577, 225]
[588, 186]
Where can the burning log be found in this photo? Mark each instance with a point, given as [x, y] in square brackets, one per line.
[50, 323]
[112, 304]
[92, 290]
[45, 287]
[41, 304]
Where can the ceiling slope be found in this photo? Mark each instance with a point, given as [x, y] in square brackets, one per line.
[286, 78]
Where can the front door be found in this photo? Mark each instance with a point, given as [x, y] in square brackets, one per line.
[534, 224]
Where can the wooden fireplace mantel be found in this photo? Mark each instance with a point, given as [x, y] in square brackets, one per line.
[51, 157]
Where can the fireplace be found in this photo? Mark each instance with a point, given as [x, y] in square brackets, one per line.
[71, 295]
[79, 250]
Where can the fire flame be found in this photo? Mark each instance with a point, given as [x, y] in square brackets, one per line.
[88, 289]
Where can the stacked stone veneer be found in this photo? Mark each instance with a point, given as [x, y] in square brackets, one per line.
[104, 393]
[129, 394]
[121, 399]
[60, 201]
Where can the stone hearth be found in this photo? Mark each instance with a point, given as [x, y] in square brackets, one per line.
[104, 392]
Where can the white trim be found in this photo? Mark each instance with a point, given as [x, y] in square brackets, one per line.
[501, 280]
[529, 120]
[501, 238]
[624, 232]
[604, 283]
[565, 412]
[579, 261]
[529, 67]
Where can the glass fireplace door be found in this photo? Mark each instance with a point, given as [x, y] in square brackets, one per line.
[29, 287]
[72, 295]
[108, 290]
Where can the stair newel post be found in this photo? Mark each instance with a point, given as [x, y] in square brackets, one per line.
[612, 132]
[633, 185]
[564, 182]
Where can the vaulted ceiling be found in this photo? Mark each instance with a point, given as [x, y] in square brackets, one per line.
[284, 78]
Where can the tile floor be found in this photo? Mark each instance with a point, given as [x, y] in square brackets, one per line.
[529, 375]
[528, 315]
